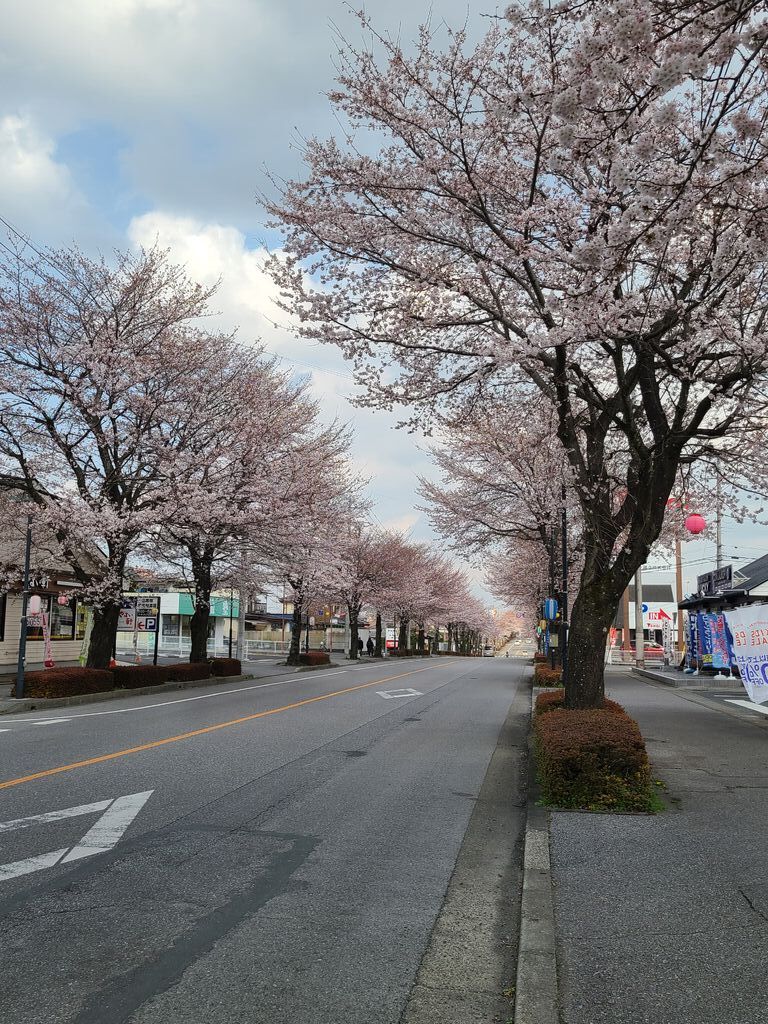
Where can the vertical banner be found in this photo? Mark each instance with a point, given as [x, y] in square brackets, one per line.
[704, 630]
[691, 642]
[749, 630]
[721, 657]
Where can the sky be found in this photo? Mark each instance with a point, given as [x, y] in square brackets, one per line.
[126, 122]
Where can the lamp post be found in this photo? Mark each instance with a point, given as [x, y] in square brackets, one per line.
[24, 602]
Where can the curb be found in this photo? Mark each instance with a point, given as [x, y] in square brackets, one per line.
[536, 990]
[25, 704]
[701, 682]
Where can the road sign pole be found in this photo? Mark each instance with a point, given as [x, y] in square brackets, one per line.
[24, 603]
[157, 630]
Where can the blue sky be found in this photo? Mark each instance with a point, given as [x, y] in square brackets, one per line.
[126, 121]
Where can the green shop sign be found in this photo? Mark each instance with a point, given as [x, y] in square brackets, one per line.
[219, 606]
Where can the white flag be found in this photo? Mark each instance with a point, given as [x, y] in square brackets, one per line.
[749, 629]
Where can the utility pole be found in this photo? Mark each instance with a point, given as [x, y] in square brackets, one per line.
[639, 637]
[242, 598]
[679, 588]
[24, 603]
[718, 521]
[564, 612]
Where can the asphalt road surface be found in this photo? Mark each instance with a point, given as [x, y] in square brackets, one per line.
[261, 852]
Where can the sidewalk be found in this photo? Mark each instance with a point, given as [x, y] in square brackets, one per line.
[665, 919]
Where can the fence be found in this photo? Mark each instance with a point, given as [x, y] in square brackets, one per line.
[181, 646]
[618, 656]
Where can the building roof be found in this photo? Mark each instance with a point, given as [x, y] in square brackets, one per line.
[752, 575]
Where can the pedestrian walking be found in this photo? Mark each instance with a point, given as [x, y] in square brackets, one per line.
[370, 645]
[359, 645]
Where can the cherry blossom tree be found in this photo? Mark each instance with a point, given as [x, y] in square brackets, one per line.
[250, 482]
[96, 361]
[575, 208]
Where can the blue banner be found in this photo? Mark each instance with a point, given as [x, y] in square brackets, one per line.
[691, 644]
[704, 629]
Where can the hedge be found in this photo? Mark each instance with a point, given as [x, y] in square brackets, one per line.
[130, 677]
[188, 670]
[543, 675]
[225, 667]
[66, 682]
[539, 658]
[556, 698]
[594, 760]
[314, 658]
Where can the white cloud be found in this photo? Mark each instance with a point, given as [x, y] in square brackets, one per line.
[36, 192]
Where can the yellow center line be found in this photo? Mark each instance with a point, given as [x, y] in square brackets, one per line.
[201, 732]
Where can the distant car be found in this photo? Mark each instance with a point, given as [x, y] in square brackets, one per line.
[489, 652]
[518, 642]
[649, 647]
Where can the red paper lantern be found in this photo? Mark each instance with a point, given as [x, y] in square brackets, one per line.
[695, 523]
[62, 599]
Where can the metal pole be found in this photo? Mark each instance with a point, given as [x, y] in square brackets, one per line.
[564, 619]
[157, 629]
[719, 522]
[230, 624]
[679, 587]
[551, 585]
[24, 602]
[639, 637]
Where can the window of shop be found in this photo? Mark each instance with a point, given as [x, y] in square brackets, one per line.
[171, 625]
[61, 618]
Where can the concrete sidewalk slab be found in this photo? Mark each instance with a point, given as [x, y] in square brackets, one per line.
[665, 919]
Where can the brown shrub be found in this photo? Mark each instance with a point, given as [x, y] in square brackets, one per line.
[66, 682]
[131, 677]
[543, 675]
[188, 670]
[314, 658]
[556, 699]
[225, 667]
[592, 759]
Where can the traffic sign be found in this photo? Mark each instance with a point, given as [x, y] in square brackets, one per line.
[147, 624]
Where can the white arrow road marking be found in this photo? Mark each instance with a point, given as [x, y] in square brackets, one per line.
[749, 705]
[389, 694]
[106, 833]
[110, 826]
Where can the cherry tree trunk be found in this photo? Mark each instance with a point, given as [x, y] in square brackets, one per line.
[294, 650]
[402, 639]
[103, 630]
[450, 638]
[420, 640]
[354, 633]
[378, 651]
[201, 616]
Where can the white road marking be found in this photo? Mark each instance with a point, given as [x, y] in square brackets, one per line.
[41, 819]
[110, 826]
[748, 704]
[49, 721]
[106, 833]
[168, 703]
[26, 867]
[390, 694]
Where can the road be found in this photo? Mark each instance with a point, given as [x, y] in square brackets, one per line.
[274, 851]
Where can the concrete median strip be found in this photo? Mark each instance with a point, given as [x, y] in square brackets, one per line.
[536, 992]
